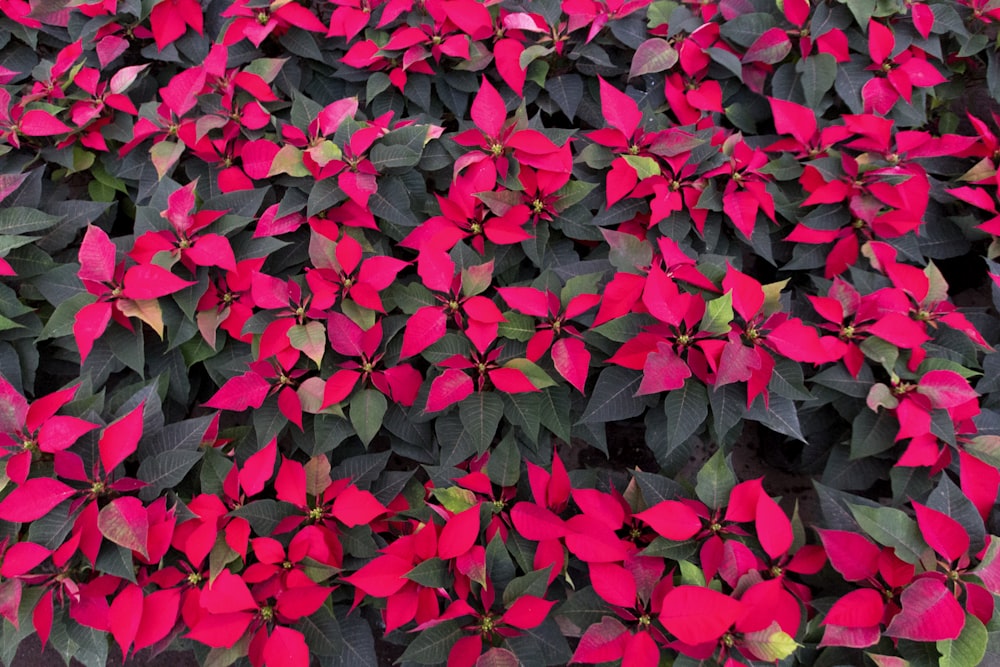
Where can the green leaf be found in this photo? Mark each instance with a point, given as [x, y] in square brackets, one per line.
[653, 55]
[614, 396]
[863, 10]
[881, 351]
[432, 646]
[265, 515]
[872, 434]
[728, 407]
[359, 645]
[368, 407]
[392, 203]
[969, 649]
[787, 380]
[534, 583]
[567, 92]
[818, 71]
[480, 414]
[715, 481]
[20, 220]
[554, 411]
[718, 315]
[393, 157]
[532, 371]
[322, 632]
[572, 193]
[892, 528]
[686, 409]
[164, 471]
[949, 499]
[455, 499]
[504, 466]
[517, 326]
[645, 167]
[781, 416]
[309, 338]
[433, 573]
[582, 608]
[524, 411]
[115, 560]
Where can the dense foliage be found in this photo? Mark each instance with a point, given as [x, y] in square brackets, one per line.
[327, 327]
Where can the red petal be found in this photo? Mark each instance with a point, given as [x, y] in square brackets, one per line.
[125, 521]
[212, 250]
[946, 389]
[382, 577]
[447, 389]
[258, 469]
[159, 614]
[930, 613]
[602, 642]
[21, 557]
[59, 433]
[528, 612]
[511, 381]
[614, 584]
[641, 651]
[97, 256]
[945, 535]
[240, 392]
[620, 111]
[286, 648]
[671, 519]
[38, 123]
[149, 281]
[860, 608]
[881, 42]
[89, 323]
[459, 533]
[226, 594]
[773, 527]
[425, 327]
[488, 111]
[120, 439]
[125, 616]
[34, 499]
[536, 523]
[696, 615]
[527, 300]
[354, 507]
[299, 601]
[13, 408]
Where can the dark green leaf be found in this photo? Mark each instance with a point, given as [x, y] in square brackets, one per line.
[524, 410]
[872, 434]
[164, 471]
[715, 481]
[819, 72]
[504, 466]
[613, 397]
[322, 632]
[368, 407]
[432, 645]
[728, 407]
[686, 409]
[358, 643]
[534, 583]
[433, 573]
[892, 528]
[949, 499]
[265, 515]
[21, 220]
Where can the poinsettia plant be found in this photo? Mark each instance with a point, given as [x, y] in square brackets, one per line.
[476, 332]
